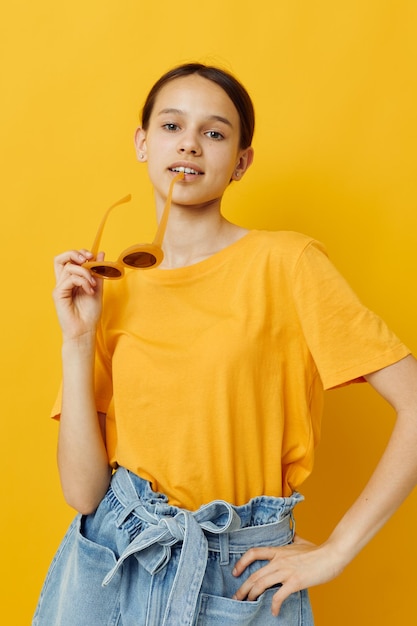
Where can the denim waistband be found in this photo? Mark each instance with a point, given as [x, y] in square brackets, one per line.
[217, 526]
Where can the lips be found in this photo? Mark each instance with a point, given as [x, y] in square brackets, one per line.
[186, 169]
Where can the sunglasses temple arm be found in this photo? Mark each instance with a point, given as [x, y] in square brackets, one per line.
[96, 244]
[164, 219]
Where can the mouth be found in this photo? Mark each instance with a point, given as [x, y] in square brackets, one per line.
[186, 170]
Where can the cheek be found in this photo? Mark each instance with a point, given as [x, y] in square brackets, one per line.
[226, 169]
[223, 159]
[158, 146]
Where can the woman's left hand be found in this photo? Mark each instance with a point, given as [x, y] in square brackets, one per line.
[301, 565]
[296, 566]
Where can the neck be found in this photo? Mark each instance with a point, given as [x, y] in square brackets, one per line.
[193, 235]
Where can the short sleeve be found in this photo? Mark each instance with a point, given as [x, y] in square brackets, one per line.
[102, 374]
[346, 339]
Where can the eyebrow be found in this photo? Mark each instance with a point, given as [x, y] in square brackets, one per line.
[216, 118]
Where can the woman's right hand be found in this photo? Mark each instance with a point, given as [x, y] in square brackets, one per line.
[77, 294]
[82, 456]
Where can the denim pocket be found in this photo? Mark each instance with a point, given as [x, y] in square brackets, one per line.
[93, 551]
[73, 592]
[217, 611]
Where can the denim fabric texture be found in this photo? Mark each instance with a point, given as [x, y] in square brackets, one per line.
[138, 561]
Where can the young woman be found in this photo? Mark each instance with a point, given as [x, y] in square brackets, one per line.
[192, 395]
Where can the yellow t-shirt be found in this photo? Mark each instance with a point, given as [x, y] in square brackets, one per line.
[212, 375]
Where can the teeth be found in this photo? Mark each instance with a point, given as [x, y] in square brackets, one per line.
[185, 170]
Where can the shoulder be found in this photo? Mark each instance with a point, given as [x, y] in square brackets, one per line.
[285, 246]
[287, 239]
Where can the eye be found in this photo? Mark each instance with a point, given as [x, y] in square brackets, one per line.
[171, 127]
[214, 134]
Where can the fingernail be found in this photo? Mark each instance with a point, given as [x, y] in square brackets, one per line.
[234, 572]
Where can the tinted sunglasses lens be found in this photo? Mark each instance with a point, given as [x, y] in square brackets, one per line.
[106, 271]
[139, 259]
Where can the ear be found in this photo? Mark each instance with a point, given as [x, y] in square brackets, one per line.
[245, 161]
[140, 145]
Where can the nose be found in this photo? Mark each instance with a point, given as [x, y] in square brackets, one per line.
[189, 144]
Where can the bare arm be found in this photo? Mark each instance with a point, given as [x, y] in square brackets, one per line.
[82, 457]
[303, 564]
[396, 474]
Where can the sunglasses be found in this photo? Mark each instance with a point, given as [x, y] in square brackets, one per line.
[140, 256]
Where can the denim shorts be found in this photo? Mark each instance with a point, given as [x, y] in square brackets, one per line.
[138, 561]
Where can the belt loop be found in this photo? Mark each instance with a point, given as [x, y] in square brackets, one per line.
[224, 548]
[292, 524]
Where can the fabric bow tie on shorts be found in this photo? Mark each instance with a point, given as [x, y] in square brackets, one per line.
[152, 548]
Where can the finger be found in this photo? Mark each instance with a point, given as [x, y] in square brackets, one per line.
[264, 578]
[72, 276]
[280, 596]
[86, 253]
[72, 269]
[66, 285]
[76, 257]
[73, 256]
[252, 555]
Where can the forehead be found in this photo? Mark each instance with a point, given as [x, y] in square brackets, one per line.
[198, 95]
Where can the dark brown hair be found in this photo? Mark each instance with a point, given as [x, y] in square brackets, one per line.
[233, 88]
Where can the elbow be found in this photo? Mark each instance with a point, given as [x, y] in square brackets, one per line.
[85, 498]
[83, 505]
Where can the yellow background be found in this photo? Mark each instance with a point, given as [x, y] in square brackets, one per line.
[334, 84]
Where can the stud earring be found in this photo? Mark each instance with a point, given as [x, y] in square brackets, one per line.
[141, 156]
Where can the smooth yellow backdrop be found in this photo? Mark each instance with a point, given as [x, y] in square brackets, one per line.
[334, 84]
